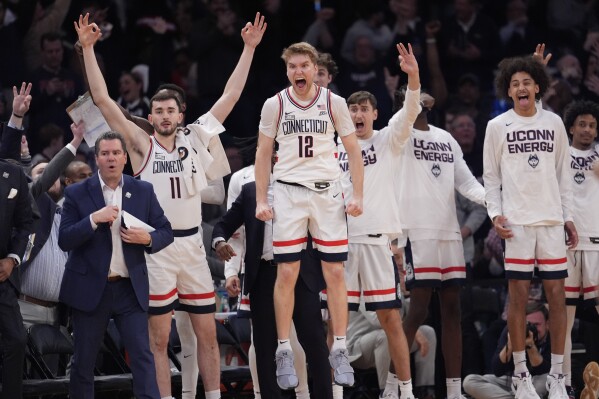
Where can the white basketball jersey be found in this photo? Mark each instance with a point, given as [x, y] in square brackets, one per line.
[164, 170]
[586, 196]
[305, 134]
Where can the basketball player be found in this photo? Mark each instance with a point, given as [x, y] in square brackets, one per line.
[581, 119]
[370, 270]
[431, 169]
[528, 193]
[307, 196]
[179, 165]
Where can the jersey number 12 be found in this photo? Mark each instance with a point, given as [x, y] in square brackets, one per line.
[305, 146]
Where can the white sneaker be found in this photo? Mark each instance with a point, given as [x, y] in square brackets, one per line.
[556, 385]
[523, 388]
[390, 395]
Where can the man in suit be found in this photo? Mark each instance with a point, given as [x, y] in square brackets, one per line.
[260, 276]
[16, 222]
[105, 274]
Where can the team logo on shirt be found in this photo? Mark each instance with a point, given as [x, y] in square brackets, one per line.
[436, 170]
[183, 153]
[579, 177]
[409, 271]
[533, 160]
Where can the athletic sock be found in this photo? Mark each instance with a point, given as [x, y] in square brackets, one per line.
[557, 363]
[338, 342]
[284, 344]
[454, 387]
[519, 362]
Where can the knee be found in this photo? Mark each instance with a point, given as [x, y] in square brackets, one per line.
[334, 274]
[389, 319]
[159, 340]
[286, 275]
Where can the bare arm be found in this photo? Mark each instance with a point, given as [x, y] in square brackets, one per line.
[252, 35]
[262, 174]
[136, 139]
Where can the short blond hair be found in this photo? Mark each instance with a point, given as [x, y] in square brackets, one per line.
[302, 48]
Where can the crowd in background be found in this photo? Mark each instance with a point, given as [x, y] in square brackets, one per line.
[196, 45]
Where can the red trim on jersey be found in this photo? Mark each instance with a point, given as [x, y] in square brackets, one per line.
[147, 158]
[160, 145]
[380, 292]
[164, 296]
[245, 301]
[329, 243]
[288, 91]
[206, 295]
[517, 261]
[289, 243]
[329, 109]
[353, 293]
[445, 270]
[584, 289]
[551, 261]
[280, 109]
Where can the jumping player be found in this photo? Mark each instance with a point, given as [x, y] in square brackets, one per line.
[178, 164]
[307, 196]
[528, 193]
[370, 270]
[581, 119]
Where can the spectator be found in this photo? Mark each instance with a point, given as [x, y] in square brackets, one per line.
[538, 348]
[327, 71]
[54, 89]
[371, 25]
[320, 33]
[463, 130]
[570, 72]
[470, 42]
[366, 73]
[50, 138]
[518, 35]
[132, 96]
[43, 18]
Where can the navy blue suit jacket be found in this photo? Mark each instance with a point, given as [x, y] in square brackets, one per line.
[90, 251]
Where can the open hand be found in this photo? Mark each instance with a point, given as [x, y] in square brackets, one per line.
[407, 60]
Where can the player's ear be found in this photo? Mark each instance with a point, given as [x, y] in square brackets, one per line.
[150, 118]
[180, 119]
[375, 114]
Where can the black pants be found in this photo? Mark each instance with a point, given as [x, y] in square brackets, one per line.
[14, 339]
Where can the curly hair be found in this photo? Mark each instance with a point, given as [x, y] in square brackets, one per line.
[509, 66]
[578, 108]
[327, 61]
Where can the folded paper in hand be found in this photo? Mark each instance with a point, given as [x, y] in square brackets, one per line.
[132, 221]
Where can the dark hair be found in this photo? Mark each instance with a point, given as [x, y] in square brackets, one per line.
[577, 108]
[50, 37]
[536, 306]
[175, 88]
[49, 132]
[111, 135]
[361, 96]
[326, 60]
[509, 66]
[164, 96]
[399, 96]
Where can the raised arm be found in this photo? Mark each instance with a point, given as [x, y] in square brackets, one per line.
[401, 123]
[136, 139]
[251, 35]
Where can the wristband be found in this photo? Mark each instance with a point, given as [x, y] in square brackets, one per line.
[17, 116]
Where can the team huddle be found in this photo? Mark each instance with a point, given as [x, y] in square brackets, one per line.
[329, 197]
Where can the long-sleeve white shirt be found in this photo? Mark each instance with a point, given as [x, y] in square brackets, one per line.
[526, 169]
[431, 168]
[585, 197]
[379, 153]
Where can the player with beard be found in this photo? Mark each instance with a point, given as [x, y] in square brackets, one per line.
[179, 165]
[528, 192]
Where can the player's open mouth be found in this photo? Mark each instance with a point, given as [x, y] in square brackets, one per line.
[523, 100]
[301, 83]
[359, 125]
